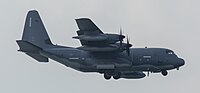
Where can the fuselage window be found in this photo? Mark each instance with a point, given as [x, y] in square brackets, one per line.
[169, 52]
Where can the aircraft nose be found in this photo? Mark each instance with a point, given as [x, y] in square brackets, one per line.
[181, 62]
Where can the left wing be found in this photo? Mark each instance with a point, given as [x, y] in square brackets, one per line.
[85, 24]
[94, 40]
[89, 34]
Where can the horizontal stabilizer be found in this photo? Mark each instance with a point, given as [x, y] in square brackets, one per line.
[27, 47]
[31, 50]
[38, 57]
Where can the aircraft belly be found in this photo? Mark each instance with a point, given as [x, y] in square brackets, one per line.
[108, 66]
[144, 68]
[166, 67]
[151, 68]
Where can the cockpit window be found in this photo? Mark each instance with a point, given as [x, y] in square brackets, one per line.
[169, 52]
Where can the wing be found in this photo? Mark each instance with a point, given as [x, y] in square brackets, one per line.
[85, 24]
[93, 39]
[89, 34]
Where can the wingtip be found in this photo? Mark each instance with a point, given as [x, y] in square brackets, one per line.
[82, 19]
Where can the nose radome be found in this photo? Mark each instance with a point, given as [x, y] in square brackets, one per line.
[181, 62]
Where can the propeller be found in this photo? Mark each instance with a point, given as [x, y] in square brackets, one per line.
[128, 45]
[121, 37]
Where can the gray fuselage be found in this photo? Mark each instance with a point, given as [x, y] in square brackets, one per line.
[140, 59]
[99, 52]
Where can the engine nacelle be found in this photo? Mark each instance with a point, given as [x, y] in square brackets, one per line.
[132, 75]
[106, 38]
[92, 38]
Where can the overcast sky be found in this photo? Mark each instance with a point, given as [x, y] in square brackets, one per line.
[173, 24]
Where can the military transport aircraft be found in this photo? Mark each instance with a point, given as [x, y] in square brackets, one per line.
[103, 53]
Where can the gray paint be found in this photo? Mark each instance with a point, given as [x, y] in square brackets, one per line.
[145, 21]
[123, 62]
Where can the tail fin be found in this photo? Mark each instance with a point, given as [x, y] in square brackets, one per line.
[35, 37]
[34, 30]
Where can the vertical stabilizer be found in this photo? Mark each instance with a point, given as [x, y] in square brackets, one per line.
[34, 30]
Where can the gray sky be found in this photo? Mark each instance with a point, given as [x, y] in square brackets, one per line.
[173, 24]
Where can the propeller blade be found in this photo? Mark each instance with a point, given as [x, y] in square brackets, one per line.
[120, 31]
[120, 37]
[127, 39]
[128, 46]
